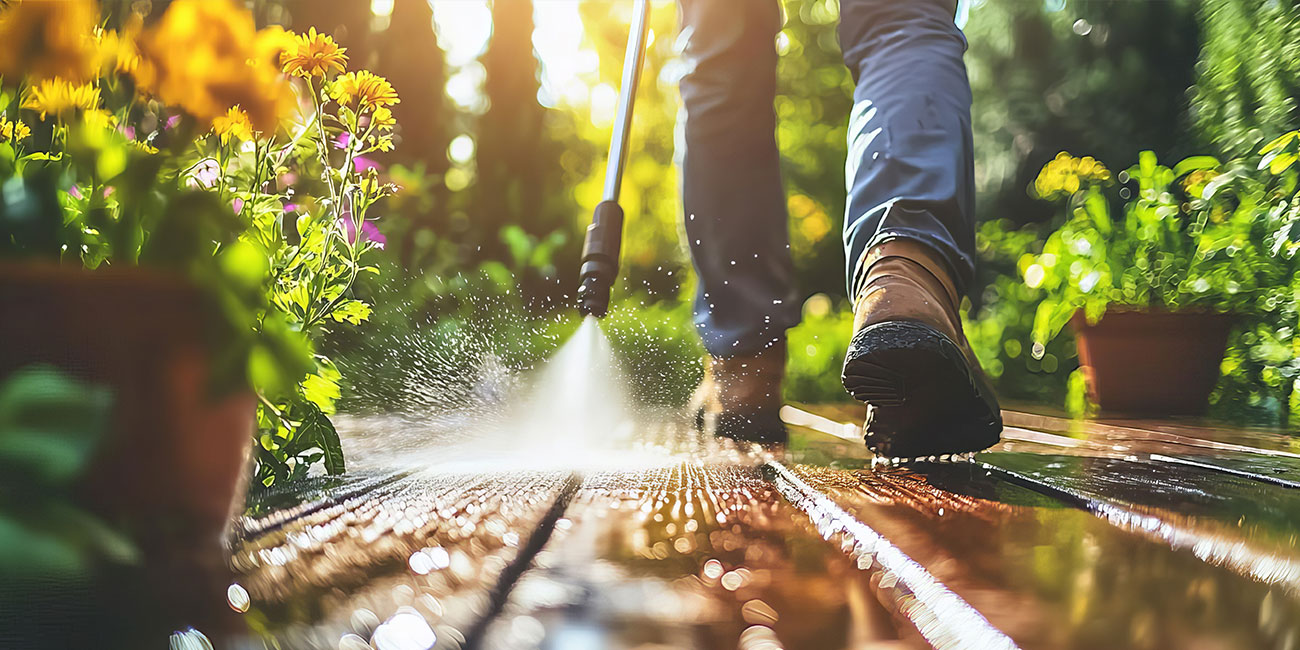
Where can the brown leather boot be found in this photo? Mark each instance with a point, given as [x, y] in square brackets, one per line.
[740, 397]
[910, 362]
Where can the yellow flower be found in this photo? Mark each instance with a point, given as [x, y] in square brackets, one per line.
[43, 39]
[271, 43]
[383, 118]
[205, 56]
[233, 124]
[1065, 175]
[363, 89]
[143, 146]
[117, 53]
[58, 97]
[313, 55]
[14, 130]
[100, 119]
[1195, 182]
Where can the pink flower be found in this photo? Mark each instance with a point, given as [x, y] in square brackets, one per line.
[238, 205]
[76, 192]
[364, 164]
[342, 141]
[368, 230]
[291, 207]
[205, 175]
[172, 122]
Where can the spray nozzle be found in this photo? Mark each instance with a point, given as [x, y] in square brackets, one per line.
[600, 259]
[593, 296]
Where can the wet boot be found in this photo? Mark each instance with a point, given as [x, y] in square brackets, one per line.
[740, 397]
[910, 362]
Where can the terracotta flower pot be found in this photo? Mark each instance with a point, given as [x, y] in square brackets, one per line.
[1152, 363]
[173, 464]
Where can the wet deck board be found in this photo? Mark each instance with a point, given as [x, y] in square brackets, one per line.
[692, 556]
[432, 545]
[1115, 535]
[1050, 575]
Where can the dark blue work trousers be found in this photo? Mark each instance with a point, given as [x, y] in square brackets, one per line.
[909, 172]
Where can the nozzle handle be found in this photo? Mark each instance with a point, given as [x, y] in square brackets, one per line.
[632, 60]
[600, 253]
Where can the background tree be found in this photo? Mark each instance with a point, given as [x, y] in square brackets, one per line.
[1106, 78]
[1249, 81]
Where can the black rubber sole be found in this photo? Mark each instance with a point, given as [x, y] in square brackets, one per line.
[922, 397]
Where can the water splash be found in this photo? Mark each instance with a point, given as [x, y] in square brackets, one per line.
[572, 412]
[579, 396]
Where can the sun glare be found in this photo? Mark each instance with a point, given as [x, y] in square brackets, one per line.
[566, 59]
[569, 65]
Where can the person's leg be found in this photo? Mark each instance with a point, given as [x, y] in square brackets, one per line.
[735, 213]
[736, 220]
[909, 230]
[910, 168]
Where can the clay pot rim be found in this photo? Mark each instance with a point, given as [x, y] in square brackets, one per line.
[1080, 319]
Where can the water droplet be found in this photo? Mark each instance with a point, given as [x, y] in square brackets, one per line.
[713, 569]
[189, 639]
[731, 581]
[405, 630]
[237, 598]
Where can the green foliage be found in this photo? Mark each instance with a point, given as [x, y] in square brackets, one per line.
[816, 349]
[50, 427]
[86, 195]
[1188, 238]
[1200, 235]
[814, 97]
[1249, 73]
[316, 253]
[999, 331]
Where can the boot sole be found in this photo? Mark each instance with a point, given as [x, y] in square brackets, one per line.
[923, 398]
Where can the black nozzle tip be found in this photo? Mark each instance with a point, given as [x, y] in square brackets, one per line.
[593, 297]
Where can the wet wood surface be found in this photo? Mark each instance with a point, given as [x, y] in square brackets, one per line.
[1103, 534]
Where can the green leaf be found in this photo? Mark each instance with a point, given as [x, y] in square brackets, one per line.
[43, 156]
[1280, 141]
[351, 311]
[1195, 163]
[322, 387]
[243, 265]
[1051, 318]
[315, 430]
[1097, 208]
[50, 426]
[1147, 163]
[1280, 163]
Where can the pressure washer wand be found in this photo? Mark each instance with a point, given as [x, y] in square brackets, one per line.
[605, 234]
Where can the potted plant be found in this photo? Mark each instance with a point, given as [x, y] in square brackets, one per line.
[175, 236]
[1148, 268]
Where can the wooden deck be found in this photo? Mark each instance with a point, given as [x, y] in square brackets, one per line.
[1101, 534]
